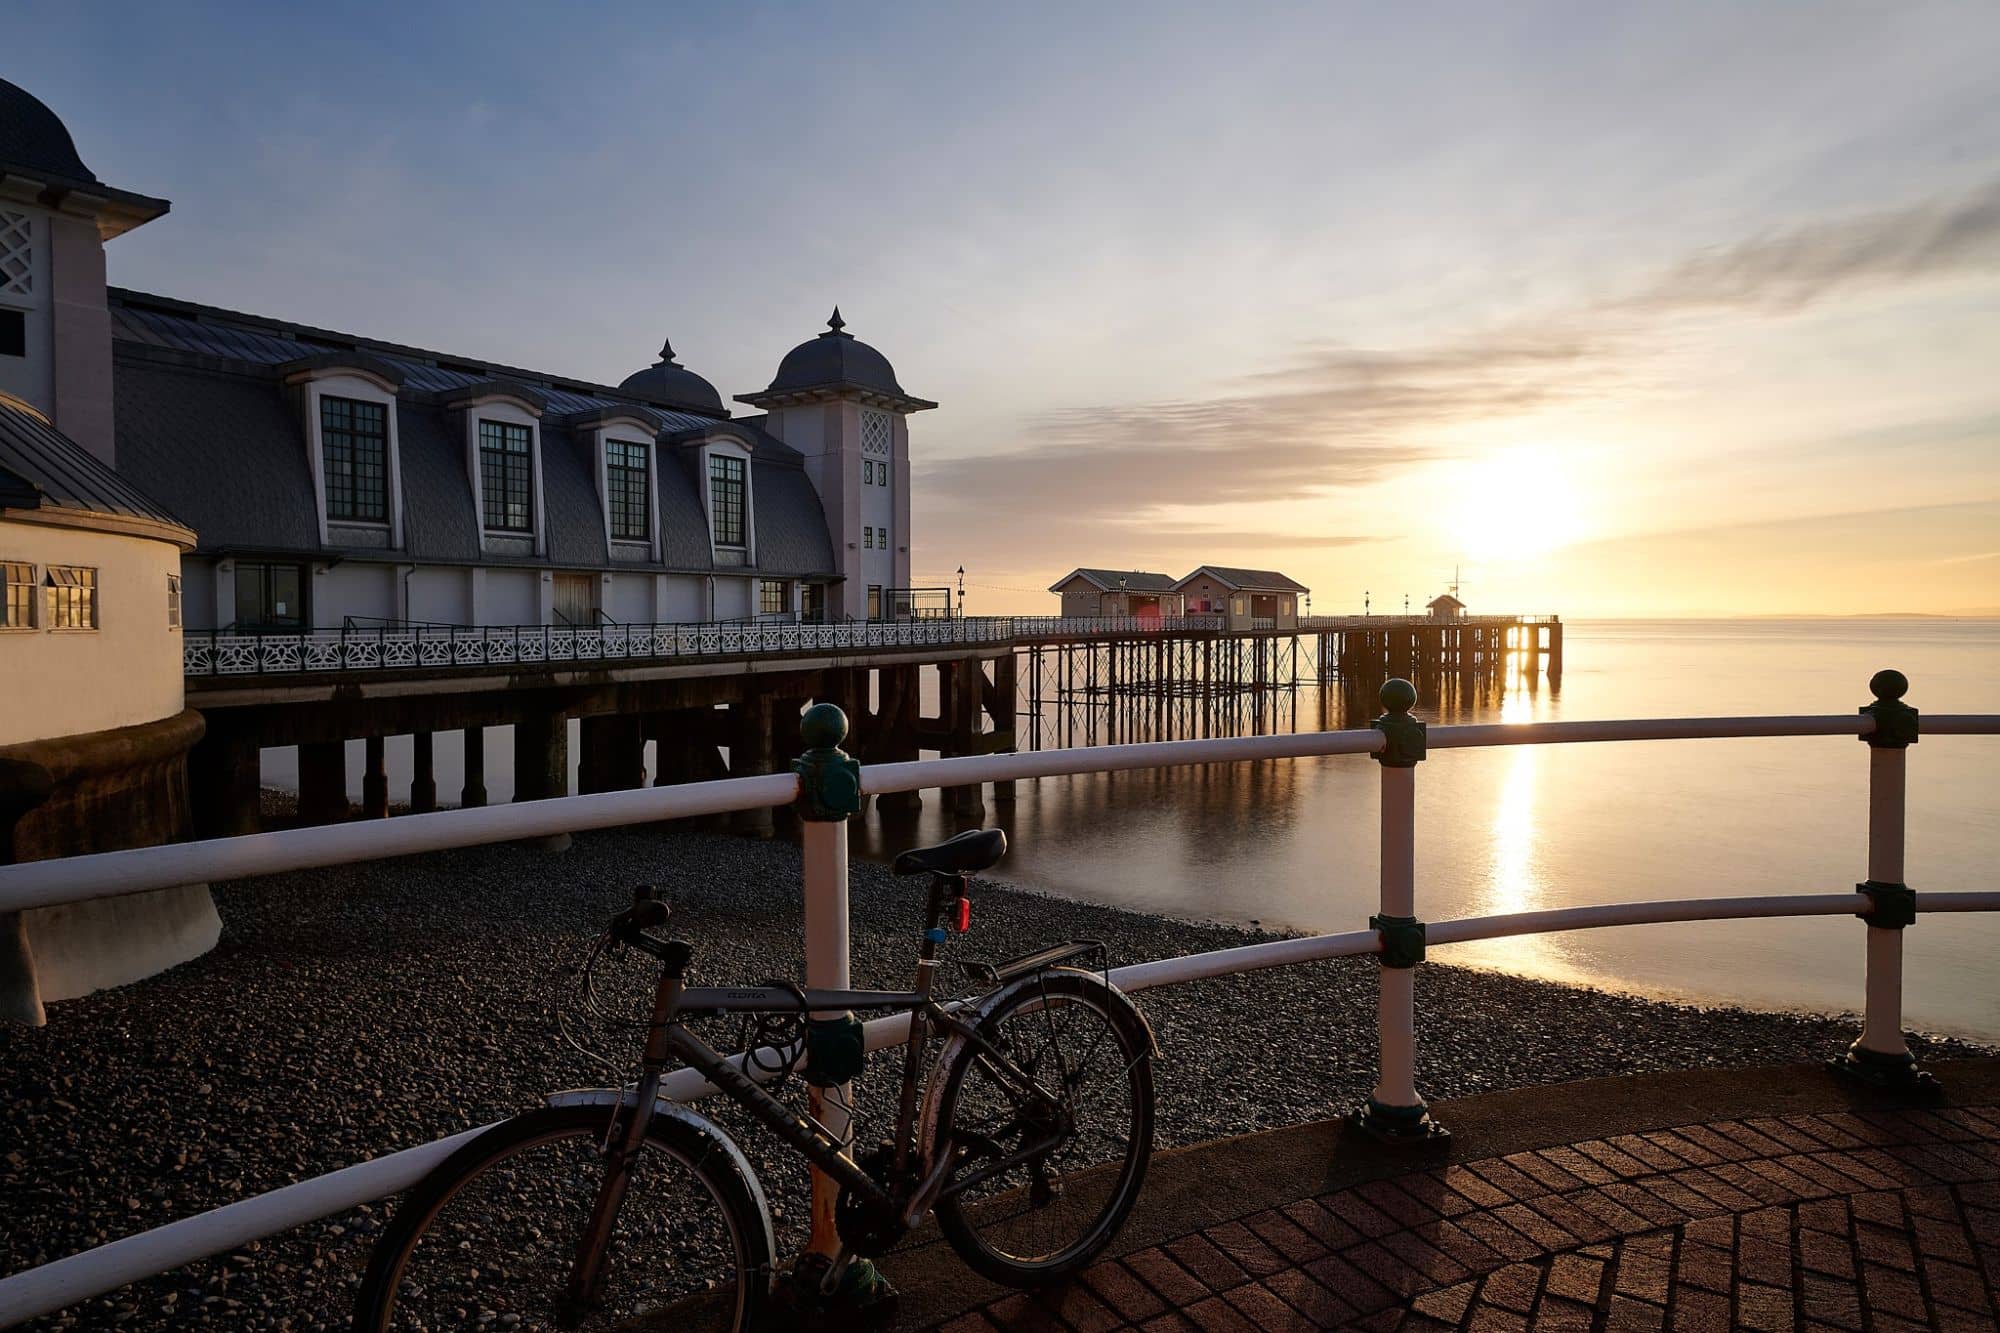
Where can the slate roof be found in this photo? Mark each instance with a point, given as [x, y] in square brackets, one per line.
[1136, 580]
[1249, 580]
[204, 419]
[42, 468]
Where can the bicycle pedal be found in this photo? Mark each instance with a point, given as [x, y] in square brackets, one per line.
[862, 1298]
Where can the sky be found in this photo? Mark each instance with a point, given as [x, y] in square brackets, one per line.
[1611, 310]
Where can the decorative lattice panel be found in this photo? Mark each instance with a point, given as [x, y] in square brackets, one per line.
[17, 254]
[878, 433]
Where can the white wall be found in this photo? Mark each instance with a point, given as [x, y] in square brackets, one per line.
[352, 588]
[630, 598]
[512, 597]
[734, 597]
[127, 671]
[679, 598]
[441, 593]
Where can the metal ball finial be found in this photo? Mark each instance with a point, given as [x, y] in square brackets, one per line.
[1398, 695]
[823, 727]
[1889, 684]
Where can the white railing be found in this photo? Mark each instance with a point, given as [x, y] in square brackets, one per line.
[432, 647]
[1395, 1110]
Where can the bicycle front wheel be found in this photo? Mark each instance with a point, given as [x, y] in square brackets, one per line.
[489, 1239]
[1046, 1217]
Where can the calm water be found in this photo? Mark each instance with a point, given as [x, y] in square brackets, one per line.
[1293, 843]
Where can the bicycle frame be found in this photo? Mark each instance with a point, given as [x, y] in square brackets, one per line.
[801, 1133]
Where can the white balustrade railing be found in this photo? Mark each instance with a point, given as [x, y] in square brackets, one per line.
[1395, 1111]
[428, 647]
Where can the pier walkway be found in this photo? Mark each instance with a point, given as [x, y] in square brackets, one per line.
[1769, 1199]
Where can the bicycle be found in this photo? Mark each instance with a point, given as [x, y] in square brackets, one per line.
[605, 1208]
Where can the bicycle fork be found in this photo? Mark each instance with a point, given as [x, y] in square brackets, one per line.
[624, 1140]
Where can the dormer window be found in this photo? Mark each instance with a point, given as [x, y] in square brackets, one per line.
[354, 440]
[726, 487]
[506, 476]
[626, 487]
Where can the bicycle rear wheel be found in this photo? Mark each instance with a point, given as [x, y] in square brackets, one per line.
[493, 1233]
[1049, 1216]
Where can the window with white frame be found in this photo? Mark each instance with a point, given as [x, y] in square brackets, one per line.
[726, 487]
[625, 483]
[507, 476]
[17, 609]
[354, 446]
[774, 597]
[72, 597]
[173, 601]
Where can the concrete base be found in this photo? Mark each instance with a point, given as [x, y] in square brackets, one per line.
[83, 947]
[107, 790]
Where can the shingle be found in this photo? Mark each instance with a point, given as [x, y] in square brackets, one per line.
[223, 451]
[1261, 580]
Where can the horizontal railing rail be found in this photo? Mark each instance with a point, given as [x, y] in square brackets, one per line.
[425, 645]
[1394, 1111]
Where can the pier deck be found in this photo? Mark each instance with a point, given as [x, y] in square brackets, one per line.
[1763, 1199]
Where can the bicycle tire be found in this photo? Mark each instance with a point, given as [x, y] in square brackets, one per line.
[700, 1150]
[970, 1225]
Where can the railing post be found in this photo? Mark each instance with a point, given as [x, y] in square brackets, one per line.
[829, 793]
[1880, 1056]
[1395, 1112]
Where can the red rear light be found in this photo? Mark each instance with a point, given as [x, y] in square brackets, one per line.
[964, 915]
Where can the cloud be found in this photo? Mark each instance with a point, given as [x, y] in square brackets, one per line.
[1789, 270]
[1340, 417]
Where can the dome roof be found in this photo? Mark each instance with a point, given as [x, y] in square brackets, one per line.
[34, 138]
[668, 381]
[836, 360]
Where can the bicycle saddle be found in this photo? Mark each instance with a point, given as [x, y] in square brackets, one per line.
[969, 852]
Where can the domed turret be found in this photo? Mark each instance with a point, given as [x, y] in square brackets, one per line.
[834, 363]
[668, 381]
[34, 137]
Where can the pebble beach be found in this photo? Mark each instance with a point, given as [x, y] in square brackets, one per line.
[353, 1011]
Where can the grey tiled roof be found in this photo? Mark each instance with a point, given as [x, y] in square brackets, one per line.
[223, 450]
[203, 418]
[34, 137]
[42, 468]
[1136, 580]
[1257, 580]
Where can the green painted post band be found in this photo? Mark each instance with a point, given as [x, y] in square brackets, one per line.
[1402, 939]
[829, 777]
[1891, 906]
[1407, 738]
[1895, 721]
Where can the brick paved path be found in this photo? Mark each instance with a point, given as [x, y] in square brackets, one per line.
[1861, 1221]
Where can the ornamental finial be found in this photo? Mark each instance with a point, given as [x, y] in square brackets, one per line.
[666, 352]
[834, 325]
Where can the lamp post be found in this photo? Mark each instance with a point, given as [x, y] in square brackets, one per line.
[961, 590]
[1364, 601]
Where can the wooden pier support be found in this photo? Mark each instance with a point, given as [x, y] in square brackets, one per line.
[473, 794]
[750, 752]
[423, 774]
[899, 691]
[614, 753]
[541, 765]
[322, 782]
[1003, 707]
[375, 778]
[224, 777]
[962, 707]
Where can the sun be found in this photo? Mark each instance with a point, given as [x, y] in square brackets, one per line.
[1518, 505]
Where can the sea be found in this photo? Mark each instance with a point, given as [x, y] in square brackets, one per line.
[1292, 844]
